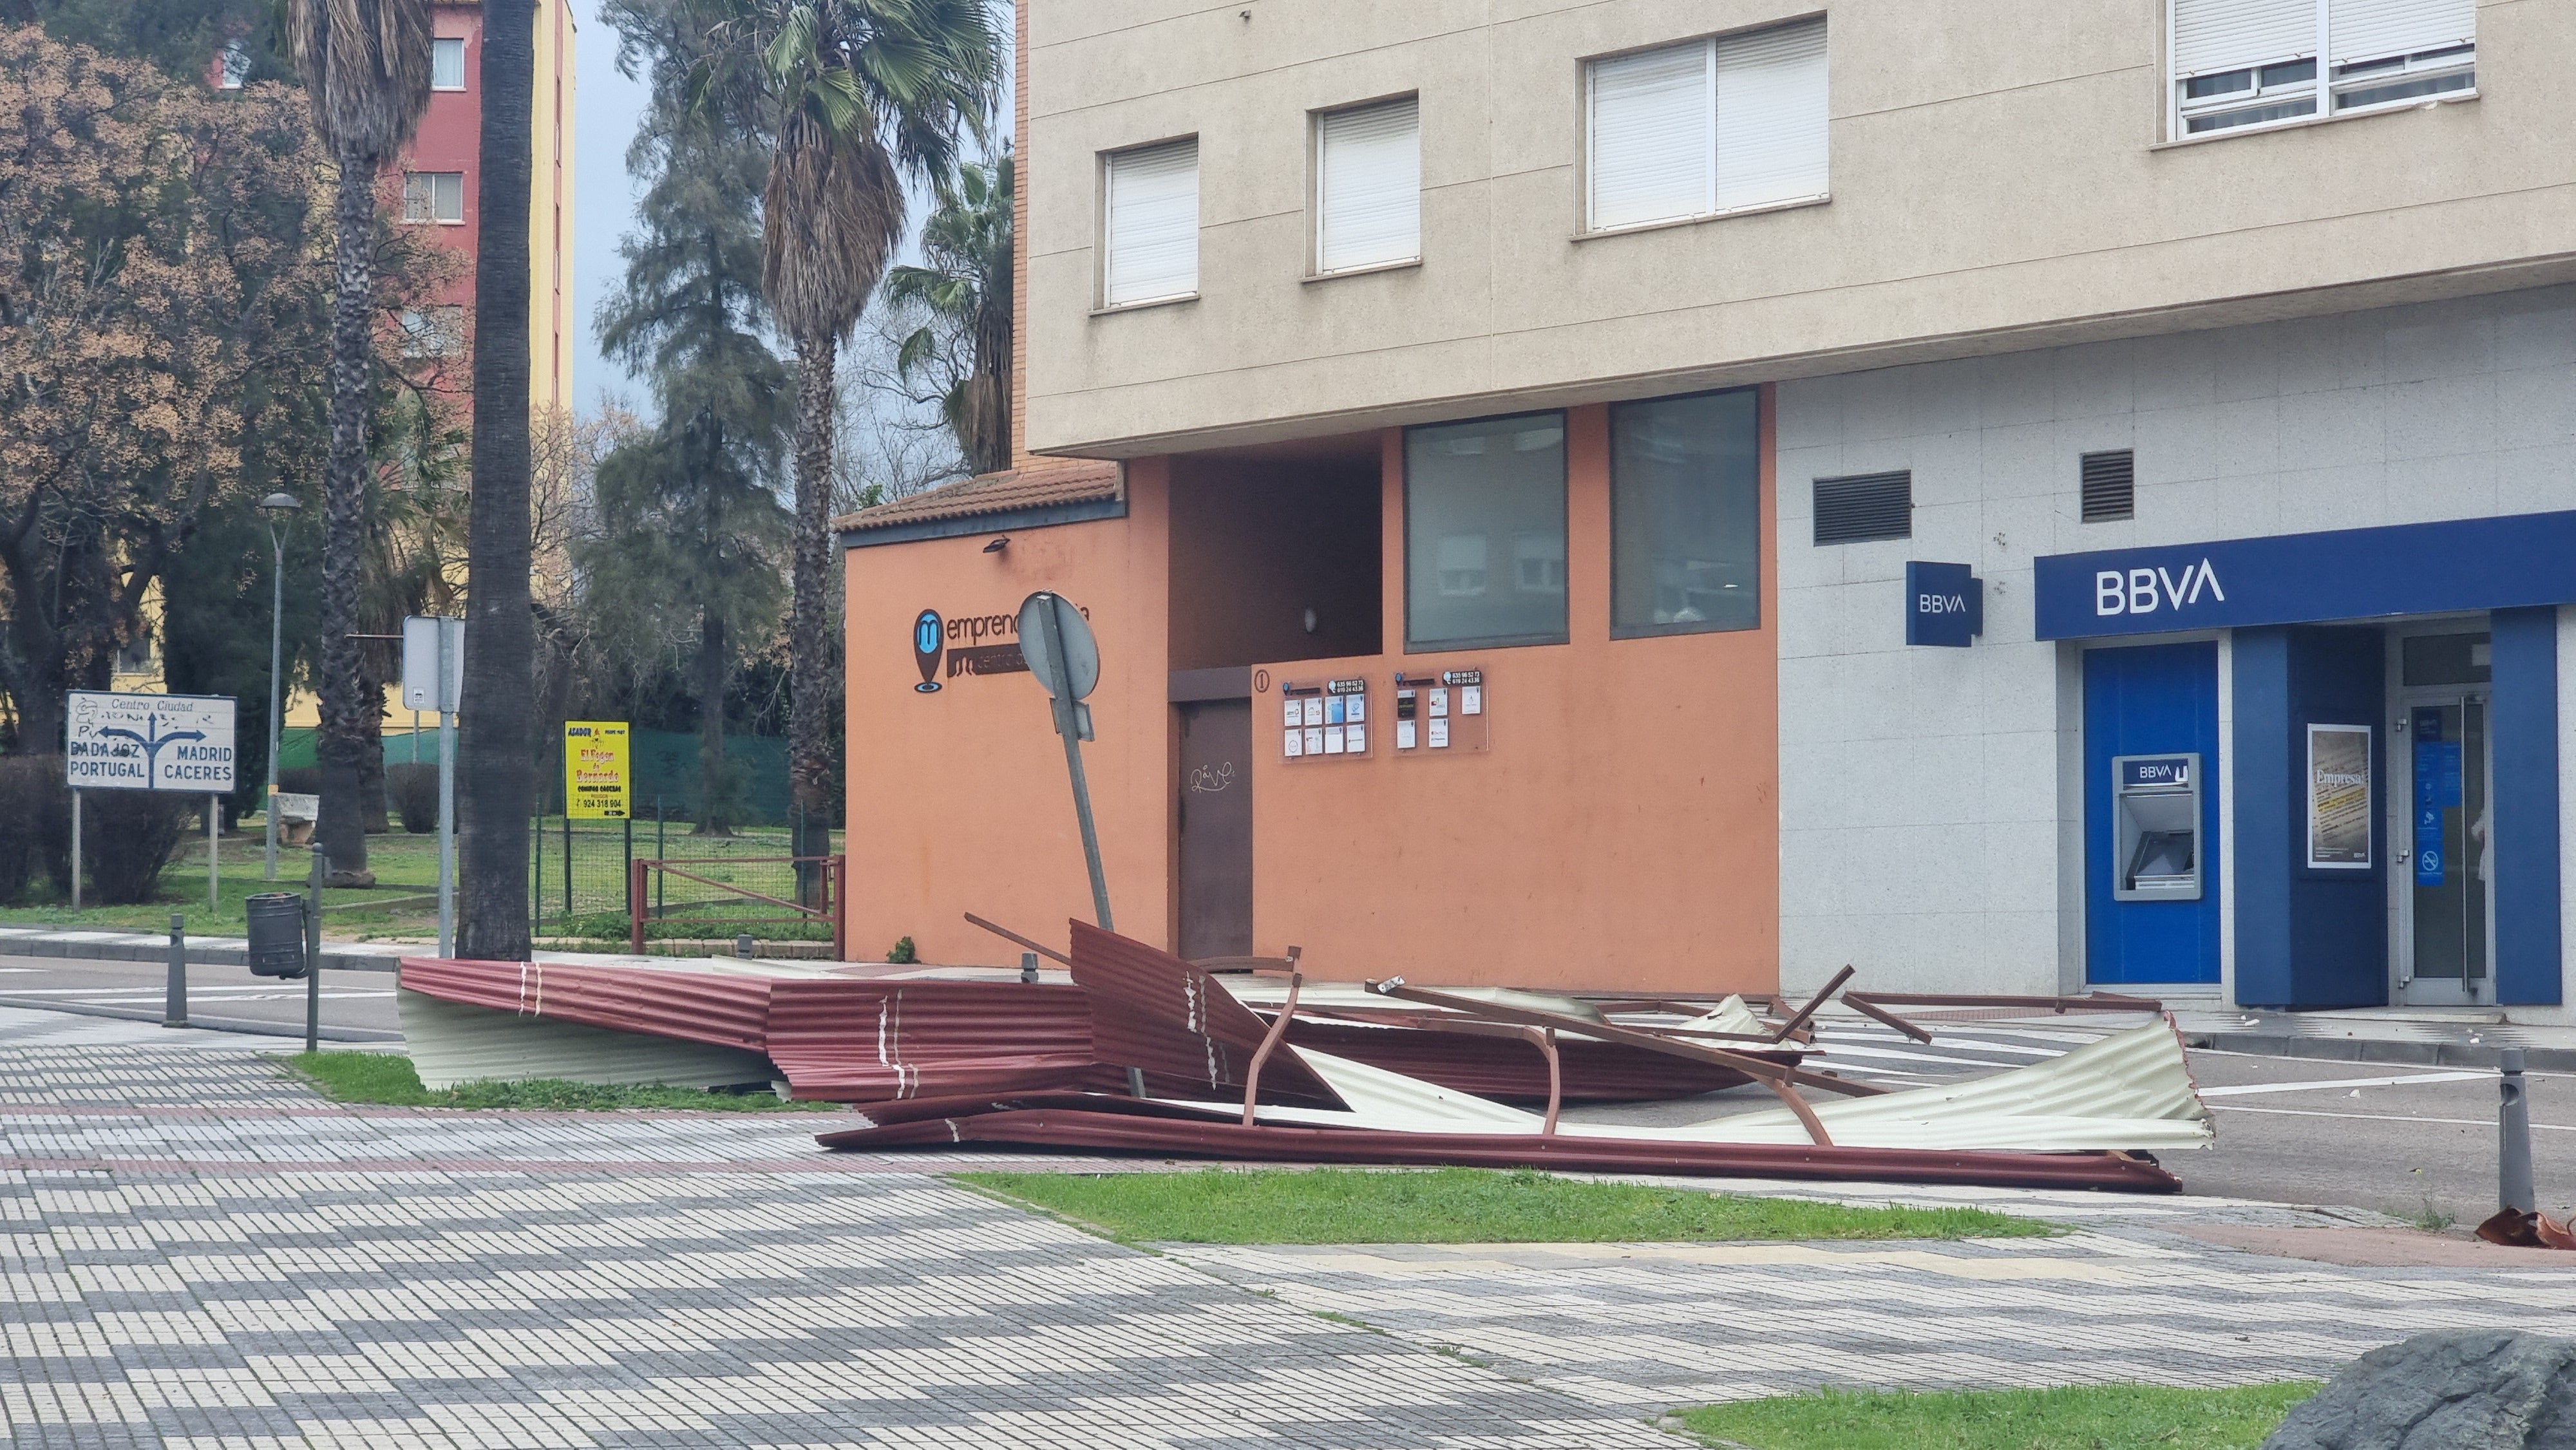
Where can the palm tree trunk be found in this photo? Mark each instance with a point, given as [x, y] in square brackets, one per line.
[715, 804]
[812, 682]
[496, 771]
[341, 831]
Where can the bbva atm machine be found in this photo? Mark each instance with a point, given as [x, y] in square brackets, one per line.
[2155, 806]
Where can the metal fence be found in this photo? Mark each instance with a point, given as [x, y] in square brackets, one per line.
[581, 879]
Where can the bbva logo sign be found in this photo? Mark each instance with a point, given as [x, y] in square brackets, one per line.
[2146, 591]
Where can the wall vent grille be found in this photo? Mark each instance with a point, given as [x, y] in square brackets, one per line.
[1863, 507]
[2110, 486]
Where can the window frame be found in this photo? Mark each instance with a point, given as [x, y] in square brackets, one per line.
[2326, 88]
[1316, 271]
[1104, 179]
[1761, 521]
[433, 219]
[1587, 79]
[1565, 522]
[437, 41]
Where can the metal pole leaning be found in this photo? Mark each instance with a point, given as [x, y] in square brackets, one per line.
[313, 952]
[174, 1001]
[2514, 1187]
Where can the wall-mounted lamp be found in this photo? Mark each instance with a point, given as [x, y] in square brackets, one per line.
[998, 545]
[1310, 621]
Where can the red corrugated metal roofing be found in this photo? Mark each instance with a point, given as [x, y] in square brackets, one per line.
[729, 1011]
[1154, 1011]
[857, 1041]
[1128, 1131]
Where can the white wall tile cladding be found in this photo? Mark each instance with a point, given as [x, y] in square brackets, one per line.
[1926, 793]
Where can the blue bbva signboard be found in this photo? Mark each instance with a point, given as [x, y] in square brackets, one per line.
[1945, 604]
[2460, 564]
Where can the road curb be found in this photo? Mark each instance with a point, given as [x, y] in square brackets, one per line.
[2379, 1049]
[218, 952]
[243, 1025]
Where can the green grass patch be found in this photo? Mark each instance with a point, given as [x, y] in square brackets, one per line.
[2080, 1417]
[1457, 1206]
[388, 1080]
[712, 925]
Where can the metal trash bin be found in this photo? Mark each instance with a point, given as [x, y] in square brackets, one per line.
[277, 934]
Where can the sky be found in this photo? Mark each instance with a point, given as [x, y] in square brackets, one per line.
[606, 108]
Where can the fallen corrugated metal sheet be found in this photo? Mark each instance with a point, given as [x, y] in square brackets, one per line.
[452, 1043]
[1167, 1017]
[725, 1009]
[1601, 1072]
[1203, 1138]
[863, 1041]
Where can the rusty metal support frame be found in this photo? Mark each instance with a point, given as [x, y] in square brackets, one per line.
[1542, 1038]
[834, 911]
[1867, 1008]
[1800, 1017]
[1026, 944]
[1757, 1068]
[1270, 1039]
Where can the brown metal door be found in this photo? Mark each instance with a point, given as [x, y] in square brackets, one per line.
[1216, 828]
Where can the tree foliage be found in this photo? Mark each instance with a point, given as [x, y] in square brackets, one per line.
[154, 281]
[685, 562]
[964, 284]
[869, 93]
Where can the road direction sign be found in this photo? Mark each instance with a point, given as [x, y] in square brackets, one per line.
[181, 743]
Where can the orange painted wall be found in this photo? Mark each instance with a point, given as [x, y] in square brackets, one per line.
[1621, 832]
[958, 799]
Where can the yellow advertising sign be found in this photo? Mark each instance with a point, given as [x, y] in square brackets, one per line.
[595, 773]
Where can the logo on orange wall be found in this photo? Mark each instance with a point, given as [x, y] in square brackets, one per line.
[929, 641]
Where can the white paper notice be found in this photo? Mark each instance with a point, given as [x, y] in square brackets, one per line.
[1314, 740]
[1332, 740]
[1314, 709]
[1471, 699]
[1357, 736]
[1357, 709]
[1296, 713]
[1296, 742]
[1404, 734]
[1439, 734]
[1439, 702]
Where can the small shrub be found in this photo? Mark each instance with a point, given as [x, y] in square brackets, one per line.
[901, 951]
[300, 780]
[414, 792]
[127, 836]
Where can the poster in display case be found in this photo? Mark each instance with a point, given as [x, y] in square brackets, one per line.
[2339, 804]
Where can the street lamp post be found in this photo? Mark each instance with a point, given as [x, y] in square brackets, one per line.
[279, 507]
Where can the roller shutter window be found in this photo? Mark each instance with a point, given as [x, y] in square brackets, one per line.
[1368, 186]
[1709, 126]
[2243, 63]
[1771, 116]
[1151, 235]
[2386, 52]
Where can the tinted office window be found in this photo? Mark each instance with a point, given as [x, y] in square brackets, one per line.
[1685, 515]
[1484, 532]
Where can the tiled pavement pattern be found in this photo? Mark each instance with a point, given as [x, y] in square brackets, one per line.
[233, 1282]
[1649, 1326]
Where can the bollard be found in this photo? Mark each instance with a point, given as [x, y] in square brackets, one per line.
[313, 953]
[742, 945]
[174, 1001]
[1028, 966]
[2514, 1189]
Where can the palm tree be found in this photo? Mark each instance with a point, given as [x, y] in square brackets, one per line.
[496, 756]
[868, 92]
[966, 287]
[365, 66]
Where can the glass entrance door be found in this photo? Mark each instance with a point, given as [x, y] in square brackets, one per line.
[2446, 858]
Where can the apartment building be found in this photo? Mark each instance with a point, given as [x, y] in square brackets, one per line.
[2012, 496]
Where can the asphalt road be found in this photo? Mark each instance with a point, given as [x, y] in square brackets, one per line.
[2400, 1140]
[221, 997]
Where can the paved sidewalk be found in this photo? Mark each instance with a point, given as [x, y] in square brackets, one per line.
[194, 1254]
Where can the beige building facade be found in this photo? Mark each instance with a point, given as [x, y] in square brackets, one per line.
[2015, 497]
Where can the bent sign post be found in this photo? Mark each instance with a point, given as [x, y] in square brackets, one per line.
[180, 744]
[1062, 653]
